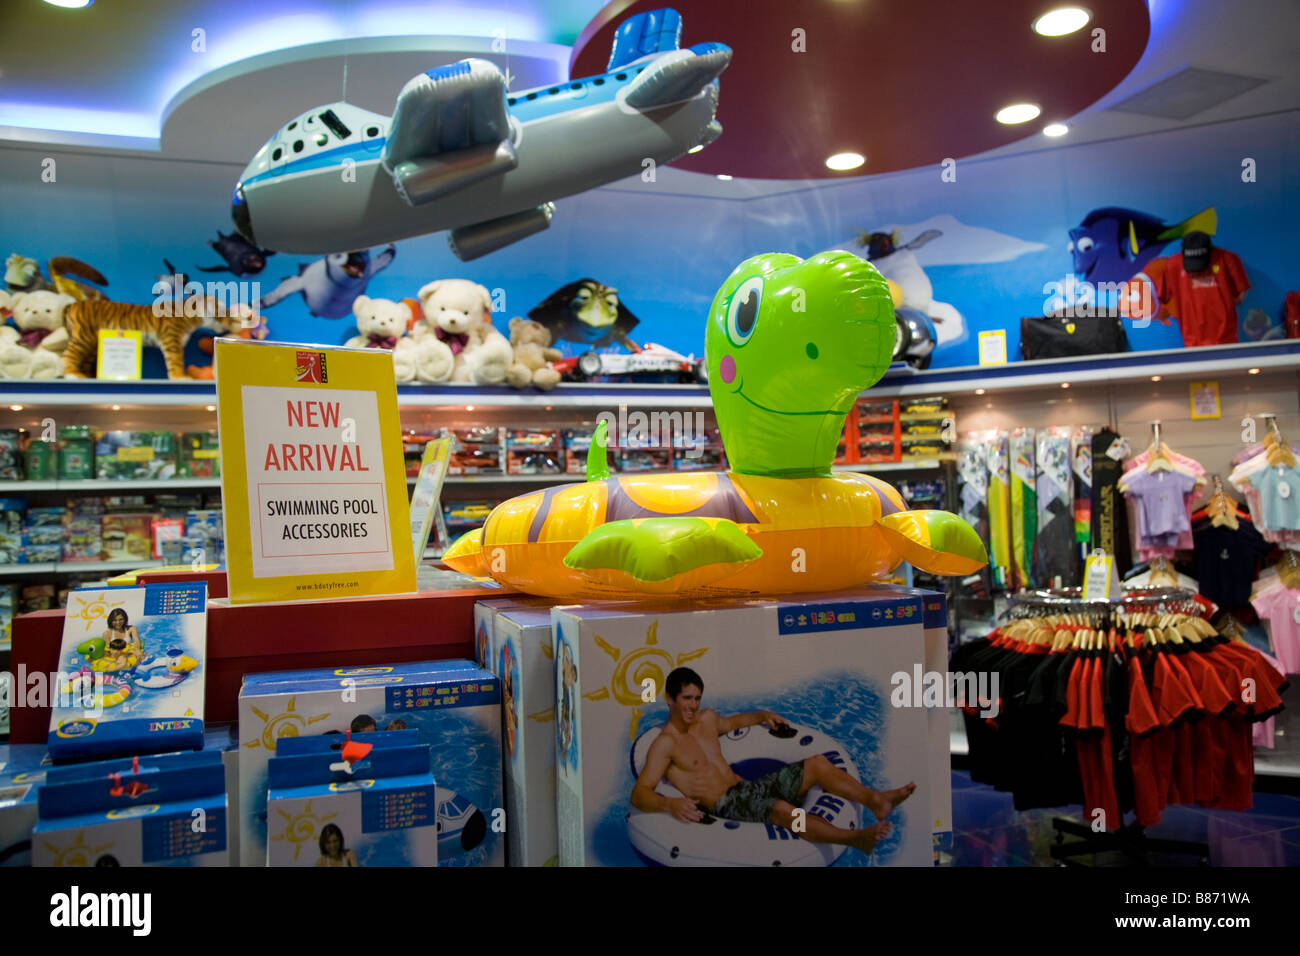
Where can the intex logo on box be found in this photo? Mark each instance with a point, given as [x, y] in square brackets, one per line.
[103, 909]
[311, 368]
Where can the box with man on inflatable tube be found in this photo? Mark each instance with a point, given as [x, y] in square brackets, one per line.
[756, 733]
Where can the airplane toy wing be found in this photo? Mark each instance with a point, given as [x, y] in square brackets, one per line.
[450, 129]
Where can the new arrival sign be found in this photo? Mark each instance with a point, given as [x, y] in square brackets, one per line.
[312, 476]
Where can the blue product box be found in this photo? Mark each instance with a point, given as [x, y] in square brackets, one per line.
[453, 705]
[22, 771]
[804, 689]
[162, 810]
[385, 810]
[131, 672]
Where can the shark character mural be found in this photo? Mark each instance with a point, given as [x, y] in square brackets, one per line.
[462, 153]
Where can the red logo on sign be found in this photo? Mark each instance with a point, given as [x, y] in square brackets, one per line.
[311, 367]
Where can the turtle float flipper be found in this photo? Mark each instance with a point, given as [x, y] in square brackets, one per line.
[937, 542]
[662, 555]
[466, 555]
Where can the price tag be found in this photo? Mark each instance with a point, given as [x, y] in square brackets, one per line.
[120, 352]
[993, 347]
[1100, 579]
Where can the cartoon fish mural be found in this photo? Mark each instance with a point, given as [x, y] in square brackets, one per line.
[1113, 244]
[588, 313]
[332, 283]
[243, 258]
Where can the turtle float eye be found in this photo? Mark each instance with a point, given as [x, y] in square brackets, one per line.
[742, 313]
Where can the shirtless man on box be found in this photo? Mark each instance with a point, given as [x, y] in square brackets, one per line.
[687, 752]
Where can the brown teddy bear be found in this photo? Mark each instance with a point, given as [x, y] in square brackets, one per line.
[531, 342]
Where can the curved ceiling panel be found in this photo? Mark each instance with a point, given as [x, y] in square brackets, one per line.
[905, 83]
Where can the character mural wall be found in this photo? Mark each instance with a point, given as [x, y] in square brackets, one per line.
[1012, 237]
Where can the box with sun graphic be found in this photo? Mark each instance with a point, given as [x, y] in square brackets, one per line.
[454, 706]
[757, 733]
[523, 660]
[167, 810]
[383, 811]
[131, 672]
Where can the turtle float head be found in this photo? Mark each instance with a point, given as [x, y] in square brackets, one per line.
[790, 343]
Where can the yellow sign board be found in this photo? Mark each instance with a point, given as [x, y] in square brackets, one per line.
[120, 354]
[313, 481]
[1205, 400]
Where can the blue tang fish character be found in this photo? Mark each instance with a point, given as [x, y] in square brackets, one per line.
[331, 284]
[1114, 244]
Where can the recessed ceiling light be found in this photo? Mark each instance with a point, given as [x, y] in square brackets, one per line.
[1065, 385]
[1063, 20]
[724, 177]
[843, 161]
[469, 408]
[211, 408]
[1156, 378]
[979, 391]
[15, 408]
[1017, 113]
[1055, 129]
[116, 408]
[696, 149]
[70, 4]
[1253, 371]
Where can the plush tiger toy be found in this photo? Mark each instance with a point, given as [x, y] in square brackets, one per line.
[83, 320]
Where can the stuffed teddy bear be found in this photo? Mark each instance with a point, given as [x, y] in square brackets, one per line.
[35, 351]
[382, 325]
[458, 314]
[531, 342]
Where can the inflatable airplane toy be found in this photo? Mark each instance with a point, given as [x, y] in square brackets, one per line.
[461, 153]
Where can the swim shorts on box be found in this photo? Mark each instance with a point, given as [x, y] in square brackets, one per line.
[751, 800]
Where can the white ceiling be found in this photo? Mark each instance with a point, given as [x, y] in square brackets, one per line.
[127, 79]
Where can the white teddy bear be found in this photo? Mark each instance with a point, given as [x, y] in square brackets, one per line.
[381, 324]
[35, 349]
[458, 314]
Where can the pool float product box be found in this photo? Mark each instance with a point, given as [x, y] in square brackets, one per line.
[454, 706]
[791, 744]
[523, 661]
[379, 810]
[165, 810]
[934, 618]
[22, 771]
[485, 614]
[131, 672]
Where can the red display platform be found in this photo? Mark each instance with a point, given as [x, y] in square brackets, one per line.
[248, 638]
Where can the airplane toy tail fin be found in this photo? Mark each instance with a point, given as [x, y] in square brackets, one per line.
[655, 31]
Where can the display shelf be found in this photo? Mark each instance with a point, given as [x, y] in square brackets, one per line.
[73, 567]
[104, 484]
[199, 394]
[1114, 369]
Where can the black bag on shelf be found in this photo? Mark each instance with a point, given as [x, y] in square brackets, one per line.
[1043, 337]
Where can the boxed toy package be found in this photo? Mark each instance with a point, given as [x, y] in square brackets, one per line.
[11, 455]
[135, 456]
[200, 456]
[130, 671]
[12, 512]
[168, 810]
[793, 698]
[127, 537]
[41, 461]
[22, 771]
[478, 450]
[43, 535]
[522, 655]
[83, 530]
[531, 452]
[454, 705]
[77, 454]
[370, 802]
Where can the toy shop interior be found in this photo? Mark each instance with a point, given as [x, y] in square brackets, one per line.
[490, 517]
